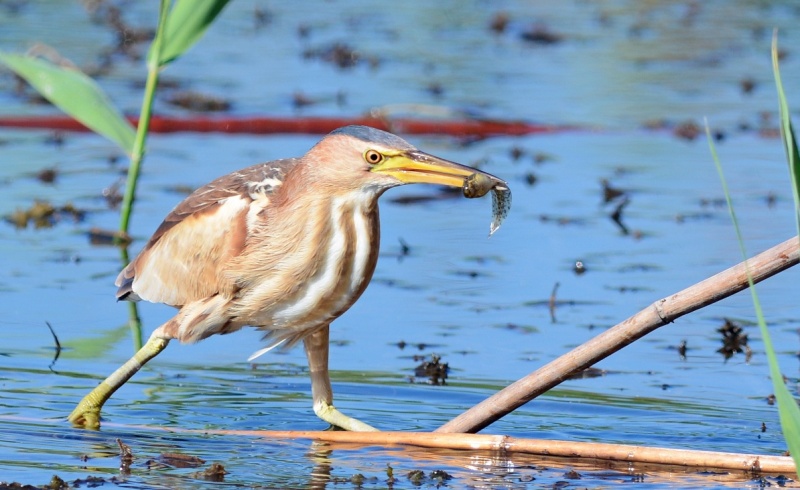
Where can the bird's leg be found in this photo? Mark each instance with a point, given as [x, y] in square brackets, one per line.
[317, 346]
[87, 413]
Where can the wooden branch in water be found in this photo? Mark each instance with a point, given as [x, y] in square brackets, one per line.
[500, 444]
[750, 463]
[662, 312]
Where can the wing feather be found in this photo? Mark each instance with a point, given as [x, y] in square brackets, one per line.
[185, 258]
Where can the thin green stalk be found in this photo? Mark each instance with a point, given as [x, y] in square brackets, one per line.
[787, 132]
[787, 406]
[134, 321]
[137, 155]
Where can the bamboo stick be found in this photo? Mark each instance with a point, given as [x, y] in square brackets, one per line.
[507, 445]
[662, 312]
[751, 463]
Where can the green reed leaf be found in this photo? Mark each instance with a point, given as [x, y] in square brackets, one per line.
[787, 132]
[76, 94]
[186, 23]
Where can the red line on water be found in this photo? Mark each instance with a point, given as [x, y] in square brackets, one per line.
[302, 125]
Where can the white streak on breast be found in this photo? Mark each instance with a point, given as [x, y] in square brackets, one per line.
[329, 277]
[363, 248]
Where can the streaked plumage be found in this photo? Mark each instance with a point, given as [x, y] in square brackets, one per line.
[285, 246]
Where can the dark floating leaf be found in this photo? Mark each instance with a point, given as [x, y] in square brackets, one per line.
[98, 236]
[216, 473]
[42, 214]
[178, 460]
[588, 373]
[499, 22]
[616, 215]
[47, 175]
[734, 340]
[435, 370]
[610, 193]
[125, 457]
[197, 102]
[339, 54]
[542, 35]
[688, 130]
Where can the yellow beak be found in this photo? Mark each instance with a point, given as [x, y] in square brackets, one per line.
[416, 167]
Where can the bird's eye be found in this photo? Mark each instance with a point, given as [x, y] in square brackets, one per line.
[373, 157]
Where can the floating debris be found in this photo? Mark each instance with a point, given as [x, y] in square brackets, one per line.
[588, 373]
[435, 370]
[300, 100]
[416, 477]
[542, 35]
[405, 248]
[541, 157]
[610, 193]
[195, 101]
[58, 345]
[125, 457]
[552, 302]
[499, 22]
[747, 85]
[440, 476]
[216, 473]
[43, 214]
[688, 130]
[734, 340]
[435, 89]
[339, 54]
[178, 460]
[112, 195]
[47, 175]
[616, 215]
[98, 236]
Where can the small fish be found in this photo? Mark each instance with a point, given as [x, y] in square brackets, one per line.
[479, 184]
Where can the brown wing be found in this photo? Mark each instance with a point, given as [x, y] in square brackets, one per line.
[184, 259]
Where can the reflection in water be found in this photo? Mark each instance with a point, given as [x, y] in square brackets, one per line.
[320, 454]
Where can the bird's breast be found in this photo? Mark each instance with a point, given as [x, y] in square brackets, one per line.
[323, 272]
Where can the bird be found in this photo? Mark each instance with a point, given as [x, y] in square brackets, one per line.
[285, 246]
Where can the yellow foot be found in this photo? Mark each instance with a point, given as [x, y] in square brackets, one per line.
[87, 413]
[331, 415]
[86, 417]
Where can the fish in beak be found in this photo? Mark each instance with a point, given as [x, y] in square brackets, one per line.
[417, 167]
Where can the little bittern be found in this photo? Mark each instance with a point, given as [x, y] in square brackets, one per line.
[285, 246]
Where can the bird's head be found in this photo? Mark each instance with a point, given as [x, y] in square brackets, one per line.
[360, 157]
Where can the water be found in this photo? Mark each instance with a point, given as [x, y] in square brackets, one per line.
[479, 303]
